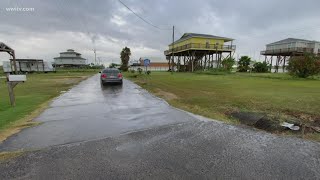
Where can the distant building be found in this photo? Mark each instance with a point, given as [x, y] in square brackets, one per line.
[286, 48]
[154, 62]
[69, 59]
[134, 63]
[28, 65]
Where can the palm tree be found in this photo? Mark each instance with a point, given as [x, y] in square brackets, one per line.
[243, 64]
[125, 57]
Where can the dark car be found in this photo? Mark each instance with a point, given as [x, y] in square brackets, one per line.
[111, 75]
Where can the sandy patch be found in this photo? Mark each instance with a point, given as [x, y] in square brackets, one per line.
[165, 95]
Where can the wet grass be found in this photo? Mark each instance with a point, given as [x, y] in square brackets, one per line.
[8, 155]
[215, 96]
[33, 96]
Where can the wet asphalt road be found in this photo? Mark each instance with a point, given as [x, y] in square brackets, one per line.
[118, 132]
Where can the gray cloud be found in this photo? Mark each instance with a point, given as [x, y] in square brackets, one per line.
[108, 26]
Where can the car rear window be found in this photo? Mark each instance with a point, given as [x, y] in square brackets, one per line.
[111, 71]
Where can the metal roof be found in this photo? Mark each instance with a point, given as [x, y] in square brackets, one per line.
[69, 52]
[28, 60]
[186, 36]
[289, 40]
[69, 58]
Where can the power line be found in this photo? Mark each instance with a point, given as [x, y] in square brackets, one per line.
[146, 21]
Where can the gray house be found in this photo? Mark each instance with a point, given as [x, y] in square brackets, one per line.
[292, 45]
[283, 50]
[70, 58]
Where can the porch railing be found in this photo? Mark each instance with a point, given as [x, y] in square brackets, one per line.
[202, 47]
[288, 50]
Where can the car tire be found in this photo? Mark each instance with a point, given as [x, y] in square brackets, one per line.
[102, 83]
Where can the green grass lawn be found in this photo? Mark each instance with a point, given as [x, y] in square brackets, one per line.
[38, 89]
[215, 96]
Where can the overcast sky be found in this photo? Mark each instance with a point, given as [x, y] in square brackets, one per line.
[108, 26]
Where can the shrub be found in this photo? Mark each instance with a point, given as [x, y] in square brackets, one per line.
[114, 65]
[261, 67]
[140, 70]
[243, 64]
[132, 71]
[148, 72]
[304, 66]
[227, 63]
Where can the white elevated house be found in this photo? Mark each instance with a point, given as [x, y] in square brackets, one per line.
[283, 50]
[292, 45]
[69, 58]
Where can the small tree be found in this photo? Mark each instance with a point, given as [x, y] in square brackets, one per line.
[113, 65]
[243, 64]
[227, 63]
[125, 57]
[304, 66]
[261, 67]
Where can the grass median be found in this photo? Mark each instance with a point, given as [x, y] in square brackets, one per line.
[33, 96]
[215, 96]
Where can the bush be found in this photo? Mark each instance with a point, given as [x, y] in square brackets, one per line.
[123, 68]
[140, 70]
[227, 63]
[261, 67]
[148, 72]
[132, 71]
[304, 66]
[113, 65]
[243, 64]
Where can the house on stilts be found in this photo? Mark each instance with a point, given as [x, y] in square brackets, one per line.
[198, 52]
[281, 51]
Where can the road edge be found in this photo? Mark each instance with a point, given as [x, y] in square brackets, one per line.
[27, 120]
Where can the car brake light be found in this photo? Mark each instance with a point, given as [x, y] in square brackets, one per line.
[119, 75]
[103, 75]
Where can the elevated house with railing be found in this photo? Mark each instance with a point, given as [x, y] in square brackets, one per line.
[70, 58]
[286, 48]
[198, 51]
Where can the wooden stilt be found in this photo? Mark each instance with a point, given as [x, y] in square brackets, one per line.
[271, 63]
[205, 62]
[11, 85]
[184, 63]
[284, 64]
[277, 63]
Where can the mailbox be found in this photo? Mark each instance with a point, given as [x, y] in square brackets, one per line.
[17, 78]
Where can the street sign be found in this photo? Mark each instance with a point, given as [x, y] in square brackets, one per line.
[146, 62]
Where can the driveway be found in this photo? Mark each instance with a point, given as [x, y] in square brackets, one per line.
[116, 132]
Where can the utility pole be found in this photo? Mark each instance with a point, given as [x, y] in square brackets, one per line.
[172, 62]
[95, 56]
